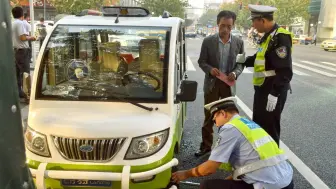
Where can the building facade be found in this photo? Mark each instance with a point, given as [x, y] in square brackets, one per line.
[323, 19]
[38, 8]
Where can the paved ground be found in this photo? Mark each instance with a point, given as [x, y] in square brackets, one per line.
[308, 124]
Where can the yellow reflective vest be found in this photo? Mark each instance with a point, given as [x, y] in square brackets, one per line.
[267, 149]
[259, 64]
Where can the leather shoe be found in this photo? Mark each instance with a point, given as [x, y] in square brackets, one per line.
[201, 152]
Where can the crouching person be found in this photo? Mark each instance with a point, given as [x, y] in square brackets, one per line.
[256, 160]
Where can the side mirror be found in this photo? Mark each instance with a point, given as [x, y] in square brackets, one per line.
[50, 24]
[188, 91]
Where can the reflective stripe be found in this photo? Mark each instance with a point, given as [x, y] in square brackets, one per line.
[262, 141]
[259, 62]
[272, 34]
[267, 73]
[258, 165]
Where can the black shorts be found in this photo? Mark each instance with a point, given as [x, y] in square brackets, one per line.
[231, 184]
[225, 184]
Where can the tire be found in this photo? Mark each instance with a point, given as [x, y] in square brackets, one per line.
[326, 49]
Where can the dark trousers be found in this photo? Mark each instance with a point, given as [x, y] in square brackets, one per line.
[30, 50]
[22, 65]
[220, 90]
[269, 121]
[231, 184]
[41, 42]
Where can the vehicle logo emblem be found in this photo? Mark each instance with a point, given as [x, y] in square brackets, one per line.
[86, 148]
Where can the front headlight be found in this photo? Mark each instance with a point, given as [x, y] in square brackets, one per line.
[147, 145]
[36, 142]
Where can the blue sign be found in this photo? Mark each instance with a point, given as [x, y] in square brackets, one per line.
[86, 148]
[252, 125]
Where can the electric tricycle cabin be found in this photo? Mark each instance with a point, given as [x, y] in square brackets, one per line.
[108, 101]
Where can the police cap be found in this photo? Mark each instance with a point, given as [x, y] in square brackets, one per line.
[221, 104]
[259, 11]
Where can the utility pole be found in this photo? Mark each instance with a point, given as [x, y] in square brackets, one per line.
[14, 171]
[44, 10]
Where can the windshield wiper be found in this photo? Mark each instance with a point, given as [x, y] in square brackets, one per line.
[115, 95]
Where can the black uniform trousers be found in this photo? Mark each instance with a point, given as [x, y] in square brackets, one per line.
[220, 90]
[231, 184]
[22, 65]
[269, 121]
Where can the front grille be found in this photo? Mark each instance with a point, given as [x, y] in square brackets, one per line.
[100, 149]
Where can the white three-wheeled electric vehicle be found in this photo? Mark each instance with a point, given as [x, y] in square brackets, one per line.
[108, 101]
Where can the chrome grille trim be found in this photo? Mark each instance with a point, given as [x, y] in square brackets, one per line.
[103, 149]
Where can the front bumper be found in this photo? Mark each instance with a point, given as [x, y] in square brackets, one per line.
[41, 173]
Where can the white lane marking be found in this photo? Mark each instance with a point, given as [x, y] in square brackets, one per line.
[319, 65]
[301, 167]
[190, 65]
[299, 72]
[328, 63]
[246, 70]
[314, 70]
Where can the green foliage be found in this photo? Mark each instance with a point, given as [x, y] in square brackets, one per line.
[289, 11]
[175, 7]
[76, 6]
[210, 17]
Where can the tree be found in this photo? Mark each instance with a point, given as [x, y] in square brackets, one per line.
[174, 7]
[241, 12]
[209, 17]
[76, 6]
[288, 10]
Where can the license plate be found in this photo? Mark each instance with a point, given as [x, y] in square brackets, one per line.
[92, 183]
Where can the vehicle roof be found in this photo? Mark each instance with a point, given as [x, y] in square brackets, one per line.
[110, 20]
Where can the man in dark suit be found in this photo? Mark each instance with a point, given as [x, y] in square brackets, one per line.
[218, 55]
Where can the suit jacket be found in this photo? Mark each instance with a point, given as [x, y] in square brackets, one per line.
[209, 58]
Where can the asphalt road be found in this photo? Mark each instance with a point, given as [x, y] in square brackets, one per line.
[308, 121]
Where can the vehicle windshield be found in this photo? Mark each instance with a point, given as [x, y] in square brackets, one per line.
[101, 62]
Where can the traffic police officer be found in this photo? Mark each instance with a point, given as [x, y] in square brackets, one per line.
[272, 70]
[254, 156]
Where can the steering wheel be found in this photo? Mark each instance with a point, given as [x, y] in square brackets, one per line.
[126, 78]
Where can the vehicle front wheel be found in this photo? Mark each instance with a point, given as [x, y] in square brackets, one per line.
[326, 49]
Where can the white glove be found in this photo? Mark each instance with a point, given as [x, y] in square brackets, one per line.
[271, 104]
[241, 58]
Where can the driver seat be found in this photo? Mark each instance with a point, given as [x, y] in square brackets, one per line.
[109, 55]
[149, 58]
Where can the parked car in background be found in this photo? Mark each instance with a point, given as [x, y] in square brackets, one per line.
[191, 34]
[237, 33]
[296, 39]
[305, 39]
[329, 44]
